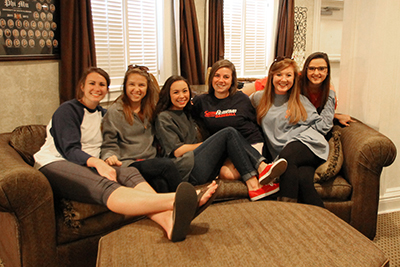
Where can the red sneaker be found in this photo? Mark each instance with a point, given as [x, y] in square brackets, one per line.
[264, 191]
[272, 171]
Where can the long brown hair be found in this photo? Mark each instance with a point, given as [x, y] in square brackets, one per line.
[325, 86]
[295, 110]
[149, 101]
[223, 63]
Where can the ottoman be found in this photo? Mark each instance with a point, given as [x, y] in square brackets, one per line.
[264, 233]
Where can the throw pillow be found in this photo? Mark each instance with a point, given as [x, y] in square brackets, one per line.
[27, 140]
[74, 212]
[333, 164]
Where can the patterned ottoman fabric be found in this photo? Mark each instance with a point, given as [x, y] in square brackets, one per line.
[264, 233]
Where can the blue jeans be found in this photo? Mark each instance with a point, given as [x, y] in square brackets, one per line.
[210, 156]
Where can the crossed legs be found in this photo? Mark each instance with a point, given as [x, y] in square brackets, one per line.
[131, 196]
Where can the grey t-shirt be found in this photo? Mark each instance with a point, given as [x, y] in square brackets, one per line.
[174, 129]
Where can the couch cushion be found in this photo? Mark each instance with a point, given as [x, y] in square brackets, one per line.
[333, 164]
[337, 189]
[75, 212]
[76, 220]
[334, 189]
[27, 140]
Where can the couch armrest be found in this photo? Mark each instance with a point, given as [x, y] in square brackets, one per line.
[26, 195]
[366, 152]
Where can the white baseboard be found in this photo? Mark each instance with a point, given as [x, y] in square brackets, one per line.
[389, 204]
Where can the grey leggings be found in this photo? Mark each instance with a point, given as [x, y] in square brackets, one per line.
[83, 184]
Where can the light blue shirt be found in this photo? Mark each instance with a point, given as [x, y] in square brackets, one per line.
[278, 132]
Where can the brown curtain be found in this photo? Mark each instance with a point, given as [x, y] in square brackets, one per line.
[190, 49]
[285, 35]
[77, 44]
[215, 31]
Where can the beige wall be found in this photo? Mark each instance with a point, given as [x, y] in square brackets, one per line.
[370, 80]
[29, 89]
[28, 93]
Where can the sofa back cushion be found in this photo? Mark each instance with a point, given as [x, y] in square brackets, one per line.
[27, 140]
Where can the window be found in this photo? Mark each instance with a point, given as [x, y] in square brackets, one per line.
[125, 33]
[248, 35]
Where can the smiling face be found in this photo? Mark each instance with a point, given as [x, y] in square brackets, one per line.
[136, 88]
[94, 90]
[222, 82]
[180, 95]
[317, 71]
[283, 80]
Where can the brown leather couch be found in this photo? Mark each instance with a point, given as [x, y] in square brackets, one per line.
[38, 229]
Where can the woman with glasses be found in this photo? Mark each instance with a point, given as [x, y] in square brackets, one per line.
[294, 130]
[70, 161]
[315, 83]
[128, 137]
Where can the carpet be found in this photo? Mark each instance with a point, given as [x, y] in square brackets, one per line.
[388, 236]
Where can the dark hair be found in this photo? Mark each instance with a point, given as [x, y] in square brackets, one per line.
[223, 63]
[164, 101]
[325, 86]
[148, 102]
[78, 90]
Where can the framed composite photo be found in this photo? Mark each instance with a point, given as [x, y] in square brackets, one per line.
[29, 29]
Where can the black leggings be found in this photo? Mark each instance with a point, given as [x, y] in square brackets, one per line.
[298, 180]
[160, 173]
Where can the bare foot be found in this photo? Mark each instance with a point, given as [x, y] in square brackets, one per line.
[211, 188]
[168, 223]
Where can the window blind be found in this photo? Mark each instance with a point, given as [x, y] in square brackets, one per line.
[246, 35]
[125, 33]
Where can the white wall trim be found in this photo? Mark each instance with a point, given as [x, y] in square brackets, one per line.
[316, 26]
[389, 204]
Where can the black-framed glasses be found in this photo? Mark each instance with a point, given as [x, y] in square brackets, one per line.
[320, 69]
[143, 68]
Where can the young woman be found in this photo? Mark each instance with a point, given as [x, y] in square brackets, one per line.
[70, 161]
[294, 130]
[177, 133]
[225, 106]
[128, 138]
[315, 83]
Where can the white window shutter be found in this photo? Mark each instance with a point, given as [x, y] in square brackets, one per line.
[125, 33]
[142, 33]
[233, 32]
[255, 38]
[109, 38]
[246, 35]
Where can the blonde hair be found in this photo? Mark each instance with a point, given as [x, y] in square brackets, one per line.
[149, 101]
[295, 111]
